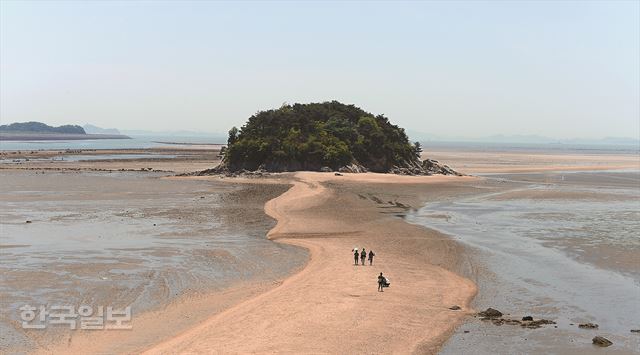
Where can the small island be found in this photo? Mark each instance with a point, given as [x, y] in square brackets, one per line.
[327, 136]
[22, 131]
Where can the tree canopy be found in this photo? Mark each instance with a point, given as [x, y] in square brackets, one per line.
[316, 135]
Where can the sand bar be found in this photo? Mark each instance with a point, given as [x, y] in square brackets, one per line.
[332, 306]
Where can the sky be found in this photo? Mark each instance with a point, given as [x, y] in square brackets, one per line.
[456, 68]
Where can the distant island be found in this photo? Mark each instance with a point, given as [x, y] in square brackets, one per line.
[40, 131]
[328, 136]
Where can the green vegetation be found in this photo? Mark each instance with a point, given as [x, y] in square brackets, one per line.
[316, 135]
[38, 127]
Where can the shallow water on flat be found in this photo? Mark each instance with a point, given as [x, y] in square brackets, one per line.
[563, 246]
[128, 239]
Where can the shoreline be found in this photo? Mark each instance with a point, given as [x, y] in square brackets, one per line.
[421, 300]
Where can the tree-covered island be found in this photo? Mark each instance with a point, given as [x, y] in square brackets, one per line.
[323, 136]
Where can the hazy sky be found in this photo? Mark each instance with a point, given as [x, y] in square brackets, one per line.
[465, 68]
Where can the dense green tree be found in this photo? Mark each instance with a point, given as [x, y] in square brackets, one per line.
[310, 136]
[233, 135]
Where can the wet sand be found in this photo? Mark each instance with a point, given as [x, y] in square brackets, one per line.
[333, 299]
[175, 251]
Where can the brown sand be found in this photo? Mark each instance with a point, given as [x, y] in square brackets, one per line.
[332, 306]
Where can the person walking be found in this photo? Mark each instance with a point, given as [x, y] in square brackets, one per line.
[381, 282]
[371, 255]
[363, 256]
[355, 256]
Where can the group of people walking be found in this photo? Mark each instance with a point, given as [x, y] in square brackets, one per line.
[362, 255]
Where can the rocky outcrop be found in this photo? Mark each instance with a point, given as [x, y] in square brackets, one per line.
[222, 170]
[601, 341]
[490, 313]
[427, 167]
[495, 317]
[353, 168]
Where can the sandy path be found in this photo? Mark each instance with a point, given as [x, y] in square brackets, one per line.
[332, 306]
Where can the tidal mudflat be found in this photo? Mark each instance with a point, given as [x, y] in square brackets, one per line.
[555, 245]
[127, 239]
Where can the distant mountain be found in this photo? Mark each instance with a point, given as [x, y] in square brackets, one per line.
[30, 131]
[39, 127]
[91, 129]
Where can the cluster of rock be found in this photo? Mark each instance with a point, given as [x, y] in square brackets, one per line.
[427, 167]
[223, 170]
[495, 317]
[353, 168]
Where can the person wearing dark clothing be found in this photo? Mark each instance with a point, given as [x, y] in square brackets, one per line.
[371, 255]
[381, 282]
[363, 256]
[355, 256]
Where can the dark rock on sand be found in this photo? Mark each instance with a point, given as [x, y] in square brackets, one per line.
[635, 330]
[426, 167]
[588, 326]
[601, 341]
[526, 322]
[455, 308]
[536, 323]
[501, 321]
[490, 313]
[27, 222]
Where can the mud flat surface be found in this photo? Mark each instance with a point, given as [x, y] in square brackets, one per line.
[169, 158]
[559, 245]
[175, 251]
[534, 237]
